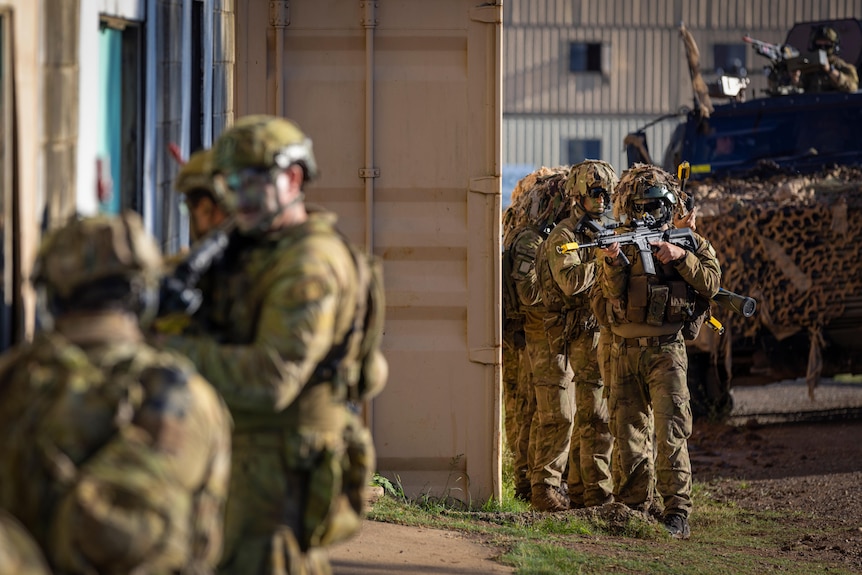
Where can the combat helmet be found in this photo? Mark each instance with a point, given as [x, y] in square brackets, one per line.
[261, 141]
[646, 192]
[590, 178]
[824, 37]
[196, 176]
[94, 262]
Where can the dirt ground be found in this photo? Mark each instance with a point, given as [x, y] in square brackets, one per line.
[813, 468]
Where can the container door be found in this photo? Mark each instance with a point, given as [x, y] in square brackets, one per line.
[402, 99]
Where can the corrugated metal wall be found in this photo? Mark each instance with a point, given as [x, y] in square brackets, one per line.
[542, 140]
[647, 76]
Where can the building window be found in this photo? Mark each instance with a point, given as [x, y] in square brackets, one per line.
[120, 127]
[585, 57]
[729, 59]
[580, 150]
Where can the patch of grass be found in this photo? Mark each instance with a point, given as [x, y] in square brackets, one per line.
[725, 537]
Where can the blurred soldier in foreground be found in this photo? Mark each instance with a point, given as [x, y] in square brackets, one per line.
[647, 313]
[281, 311]
[115, 456]
[566, 280]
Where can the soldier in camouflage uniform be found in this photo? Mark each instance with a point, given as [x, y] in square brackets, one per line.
[277, 310]
[207, 208]
[647, 314]
[566, 280]
[115, 455]
[518, 397]
[836, 74]
[19, 554]
[551, 429]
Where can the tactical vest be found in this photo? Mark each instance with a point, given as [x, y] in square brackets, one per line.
[658, 299]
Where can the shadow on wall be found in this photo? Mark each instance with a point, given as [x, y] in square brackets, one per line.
[512, 173]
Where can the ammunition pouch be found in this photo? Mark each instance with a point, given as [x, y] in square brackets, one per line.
[337, 482]
[567, 326]
[656, 303]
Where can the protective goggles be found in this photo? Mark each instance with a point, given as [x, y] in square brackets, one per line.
[599, 193]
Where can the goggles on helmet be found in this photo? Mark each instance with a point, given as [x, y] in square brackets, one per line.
[254, 196]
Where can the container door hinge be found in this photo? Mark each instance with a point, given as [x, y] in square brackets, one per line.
[279, 13]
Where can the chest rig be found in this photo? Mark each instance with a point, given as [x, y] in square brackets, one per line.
[657, 299]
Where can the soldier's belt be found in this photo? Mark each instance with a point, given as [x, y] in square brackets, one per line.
[650, 341]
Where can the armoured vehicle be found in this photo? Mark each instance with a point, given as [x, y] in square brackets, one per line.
[778, 182]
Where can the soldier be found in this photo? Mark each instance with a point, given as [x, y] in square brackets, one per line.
[115, 455]
[647, 314]
[551, 429]
[836, 74]
[566, 280]
[207, 209]
[518, 396]
[278, 311]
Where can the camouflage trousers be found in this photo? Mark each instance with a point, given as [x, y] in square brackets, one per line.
[648, 388]
[264, 512]
[520, 405]
[589, 476]
[552, 424]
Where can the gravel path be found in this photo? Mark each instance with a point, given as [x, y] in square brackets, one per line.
[789, 401]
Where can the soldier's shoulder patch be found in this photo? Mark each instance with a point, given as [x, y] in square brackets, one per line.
[307, 289]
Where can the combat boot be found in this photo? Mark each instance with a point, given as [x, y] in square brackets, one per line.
[523, 492]
[548, 498]
[677, 526]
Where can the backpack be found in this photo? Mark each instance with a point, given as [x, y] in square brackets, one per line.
[358, 360]
[91, 443]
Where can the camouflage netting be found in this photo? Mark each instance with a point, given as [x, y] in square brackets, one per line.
[791, 242]
[538, 197]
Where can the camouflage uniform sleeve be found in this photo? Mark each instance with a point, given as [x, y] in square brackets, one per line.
[848, 78]
[574, 272]
[294, 332]
[614, 279]
[524, 251]
[700, 269]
